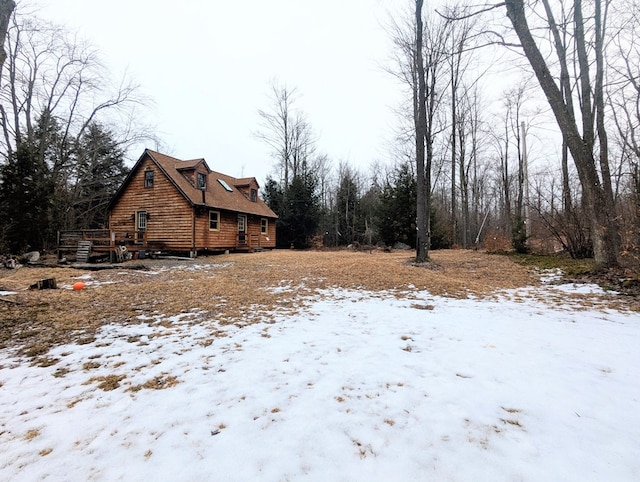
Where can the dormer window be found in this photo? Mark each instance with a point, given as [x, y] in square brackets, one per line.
[202, 181]
[254, 195]
[148, 178]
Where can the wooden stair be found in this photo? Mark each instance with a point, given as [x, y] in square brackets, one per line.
[84, 248]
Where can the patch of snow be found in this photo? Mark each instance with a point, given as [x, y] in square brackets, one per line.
[7, 293]
[550, 275]
[582, 289]
[357, 386]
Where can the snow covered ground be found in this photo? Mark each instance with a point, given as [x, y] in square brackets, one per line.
[358, 386]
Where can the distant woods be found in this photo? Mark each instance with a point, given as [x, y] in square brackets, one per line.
[520, 123]
[520, 130]
[64, 130]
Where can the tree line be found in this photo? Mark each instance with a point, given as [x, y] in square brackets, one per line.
[550, 163]
[520, 130]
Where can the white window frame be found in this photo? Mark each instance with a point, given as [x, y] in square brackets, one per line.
[217, 216]
[242, 223]
[141, 220]
[264, 226]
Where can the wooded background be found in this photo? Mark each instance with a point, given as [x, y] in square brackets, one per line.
[67, 129]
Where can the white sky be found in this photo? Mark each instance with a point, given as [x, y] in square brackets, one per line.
[208, 66]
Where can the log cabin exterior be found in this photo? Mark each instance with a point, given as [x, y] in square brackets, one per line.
[172, 205]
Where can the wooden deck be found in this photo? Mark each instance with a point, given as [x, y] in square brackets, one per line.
[99, 241]
[107, 241]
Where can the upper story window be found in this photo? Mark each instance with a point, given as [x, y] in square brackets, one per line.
[202, 181]
[254, 195]
[148, 178]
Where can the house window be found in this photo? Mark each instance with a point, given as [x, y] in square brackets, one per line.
[264, 225]
[254, 195]
[214, 220]
[141, 221]
[202, 181]
[148, 178]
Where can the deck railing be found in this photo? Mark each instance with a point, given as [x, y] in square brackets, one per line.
[248, 241]
[102, 239]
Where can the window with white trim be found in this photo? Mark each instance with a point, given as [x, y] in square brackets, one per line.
[264, 225]
[141, 220]
[214, 220]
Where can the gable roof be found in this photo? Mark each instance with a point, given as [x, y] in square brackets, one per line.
[214, 195]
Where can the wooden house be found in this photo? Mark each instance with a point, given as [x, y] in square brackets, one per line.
[172, 205]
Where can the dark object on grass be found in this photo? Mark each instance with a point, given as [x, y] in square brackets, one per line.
[45, 284]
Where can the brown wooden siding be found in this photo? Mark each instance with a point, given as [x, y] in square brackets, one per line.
[226, 236]
[173, 223]
[170, 216]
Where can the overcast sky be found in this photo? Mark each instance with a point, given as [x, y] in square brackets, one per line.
[208, 66]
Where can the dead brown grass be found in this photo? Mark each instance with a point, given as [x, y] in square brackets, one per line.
[158, 383]
[239, 289]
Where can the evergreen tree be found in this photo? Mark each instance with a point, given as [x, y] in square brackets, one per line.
[100, 171]
[396, 218]
[302, 209]
[274, 196]
[297, 207]
[25, 200]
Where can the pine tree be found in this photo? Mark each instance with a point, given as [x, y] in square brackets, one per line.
[396, 218]
[25, 200]
[100, 171]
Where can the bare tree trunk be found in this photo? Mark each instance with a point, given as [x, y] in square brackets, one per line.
[422, 253]
[454, 147]
[599, 106]
[602, 219]
[6, 9]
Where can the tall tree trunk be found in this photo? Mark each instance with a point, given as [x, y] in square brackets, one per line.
[602, 219]
[6, 9]
[454, 123]
[422, 253]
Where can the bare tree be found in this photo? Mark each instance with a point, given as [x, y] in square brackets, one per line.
[285, 130]
[421, 68]
[624, 99]
[596, 187]
[55, 77]
[457, 55]
[54, 91]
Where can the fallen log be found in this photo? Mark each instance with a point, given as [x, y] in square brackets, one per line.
[101, 266]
